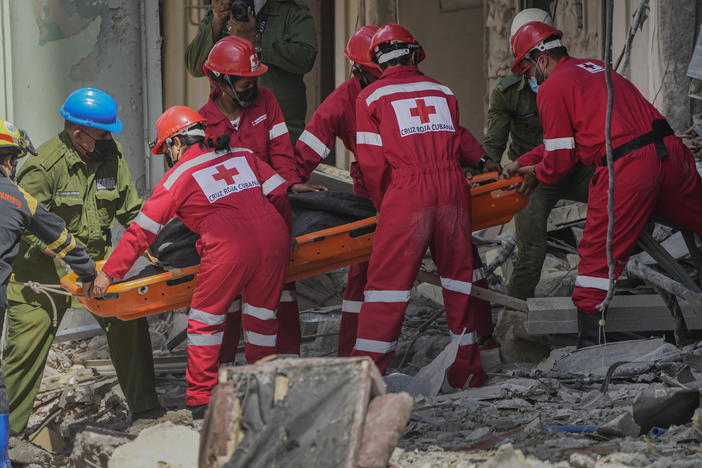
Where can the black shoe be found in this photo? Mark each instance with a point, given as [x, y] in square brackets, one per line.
[153, 413]
[588, 330]
[198, 411]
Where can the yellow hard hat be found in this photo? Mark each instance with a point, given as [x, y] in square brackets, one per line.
[11, 138]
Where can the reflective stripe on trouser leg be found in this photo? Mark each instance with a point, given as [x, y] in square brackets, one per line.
[260, 331]
[480, 308]
[289, 331]
[351, 307]
[633, 204]
[204, 347]
[378, 336]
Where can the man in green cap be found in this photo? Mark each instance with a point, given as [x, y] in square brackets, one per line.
[513, 113]
[81, 176]
[282, 32]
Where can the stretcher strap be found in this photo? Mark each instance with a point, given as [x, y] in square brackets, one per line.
[46, 289]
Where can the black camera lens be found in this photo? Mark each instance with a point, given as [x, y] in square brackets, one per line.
[240, 10]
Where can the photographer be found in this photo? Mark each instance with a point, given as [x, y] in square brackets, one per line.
[284, 36]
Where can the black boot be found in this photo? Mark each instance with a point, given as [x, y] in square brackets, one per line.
[588, 329]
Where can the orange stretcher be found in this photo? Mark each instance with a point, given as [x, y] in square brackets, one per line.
[493, 203]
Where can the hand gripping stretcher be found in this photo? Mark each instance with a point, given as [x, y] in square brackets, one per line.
[318, 252]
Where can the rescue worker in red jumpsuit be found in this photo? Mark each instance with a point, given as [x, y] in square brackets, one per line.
[654, 170]
[239, 207]
[250, 115]
[336, 117]
[409, 148]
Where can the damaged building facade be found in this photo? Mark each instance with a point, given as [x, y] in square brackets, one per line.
[544, 404]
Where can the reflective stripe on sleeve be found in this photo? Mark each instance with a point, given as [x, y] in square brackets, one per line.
[456, 285]
[259, 339]
[60, 241]
[278, 130]
[553, 144]
[315, 144]
[407, 88]
[368, 138]
[592, 282]
[271, 184]
[260, 313]
[386, 296]
[352, 307]
[148, 224]
[468, 338]
[71, 245]
[205, 339]
[375, 346]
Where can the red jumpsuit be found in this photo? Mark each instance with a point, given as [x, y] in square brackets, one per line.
[262, 129]
[572, 107]
[336, 117]
[244, 245]
[409, 150]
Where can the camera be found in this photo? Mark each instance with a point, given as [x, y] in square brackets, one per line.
[240, 10]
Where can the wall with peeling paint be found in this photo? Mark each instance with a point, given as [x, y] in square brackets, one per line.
[59, 46]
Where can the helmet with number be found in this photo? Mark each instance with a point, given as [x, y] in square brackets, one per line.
[234, 56]
[93, 108]
[532, 36]
[14, 141]
[393, 41]
[177, 120]
[527, 16]
[358, 49]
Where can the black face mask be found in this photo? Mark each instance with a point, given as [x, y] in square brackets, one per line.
[103, 149]
[247, 97]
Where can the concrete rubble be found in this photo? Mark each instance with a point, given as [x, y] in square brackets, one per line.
[544, 405]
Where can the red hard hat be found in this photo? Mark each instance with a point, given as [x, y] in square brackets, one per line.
[358, 49]
[392, 32]
[233, 55]
[173, 121]
[527, 38]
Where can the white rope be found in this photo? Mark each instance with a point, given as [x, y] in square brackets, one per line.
[46, 289]
[610, 168]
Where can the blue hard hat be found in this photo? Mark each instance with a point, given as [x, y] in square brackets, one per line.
[92, 108]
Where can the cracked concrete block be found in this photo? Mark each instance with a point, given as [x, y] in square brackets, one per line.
[93, 449]
[580, 460]
[162, 445]
[621, 426]
[515, 344]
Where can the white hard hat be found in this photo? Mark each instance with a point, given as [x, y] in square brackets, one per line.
[527, 16]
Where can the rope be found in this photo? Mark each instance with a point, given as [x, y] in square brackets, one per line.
[46, 289]
[610, 167]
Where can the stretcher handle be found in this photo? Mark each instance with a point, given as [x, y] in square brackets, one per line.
[335, 231]
[498, 184]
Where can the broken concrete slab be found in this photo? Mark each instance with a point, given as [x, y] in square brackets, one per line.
[162, 445]
[516, 345]
[646, 312]
[621, 426]
[94, 447]
[661, 406]
[641, 355]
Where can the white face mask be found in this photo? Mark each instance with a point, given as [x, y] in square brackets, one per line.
[258, 4]
[533, 84]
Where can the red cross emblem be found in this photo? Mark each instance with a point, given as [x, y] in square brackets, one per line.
[225, 174]
[422, 111]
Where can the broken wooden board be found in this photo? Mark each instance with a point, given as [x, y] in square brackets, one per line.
[558, 315]
[481, 293]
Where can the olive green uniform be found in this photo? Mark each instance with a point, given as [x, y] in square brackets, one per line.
[288, 46]
[88, 198]
[513, 115]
